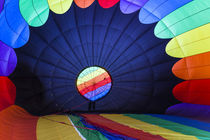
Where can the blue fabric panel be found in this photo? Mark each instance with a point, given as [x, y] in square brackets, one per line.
[14, 29]
[155, 10]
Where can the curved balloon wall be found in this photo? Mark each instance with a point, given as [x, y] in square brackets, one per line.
[186, 22]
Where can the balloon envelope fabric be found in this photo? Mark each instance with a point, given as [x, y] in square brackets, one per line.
[193, 91]
[14, 29]
[94, 83]
[98, 126]
[66, 44]
[107, 3]
[193, 67]
[35, 12]
[83, 3]
[194, 111]
[1, 5]
[155, 10]
[130, 6]
[188, 17]
[58, 6]
[8, 60]
[7, 92]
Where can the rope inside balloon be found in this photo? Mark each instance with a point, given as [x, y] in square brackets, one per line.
[67, 124]
[74, 107]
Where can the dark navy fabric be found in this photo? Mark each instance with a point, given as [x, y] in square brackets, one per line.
[59, 50]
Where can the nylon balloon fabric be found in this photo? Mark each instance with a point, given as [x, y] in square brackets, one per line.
[128, 6]
[107, 3]
[94, 83]
[155, 10]
[66, 44]
[1, 5]
[14, 29]
[59, 7]
[35, 12]
[7, 92]
[83, 3]
[8, 60]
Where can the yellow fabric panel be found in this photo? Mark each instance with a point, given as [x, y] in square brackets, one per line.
[146, 127]
[59, 6]
[90, 76]
[190, 43]
[51, 130]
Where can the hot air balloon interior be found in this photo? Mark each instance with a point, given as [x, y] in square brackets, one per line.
[105, 69]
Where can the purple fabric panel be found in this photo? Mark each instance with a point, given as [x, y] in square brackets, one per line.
[8, 60]
[130, 6]
[194, 111]
[1, 5]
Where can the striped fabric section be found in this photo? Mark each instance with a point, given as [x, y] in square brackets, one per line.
[140, 124]
[185, 121]
[95, 86]
[86, 77]
[187, 131]
[98, 91]
[93, 98]
[117, 128]
[56, 127]
[94, 83]
[86, 133]
[94, 80]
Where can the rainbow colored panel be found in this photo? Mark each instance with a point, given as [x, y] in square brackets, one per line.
[99, 126]
[94, 83]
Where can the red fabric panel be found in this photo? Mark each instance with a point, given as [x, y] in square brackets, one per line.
[7, 92]
[95, 86]
[17, 124]
[193, 91]
[107, 3]
[117, 128]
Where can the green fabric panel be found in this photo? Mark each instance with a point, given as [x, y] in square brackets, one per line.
[88, 134]
[186, 18]
[200, 134]
[35, 12]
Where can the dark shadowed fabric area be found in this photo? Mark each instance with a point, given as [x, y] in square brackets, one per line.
[48, 65]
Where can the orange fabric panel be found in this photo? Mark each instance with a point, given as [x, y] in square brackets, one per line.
[193, 67]
[93, 81]
[83, 3]
[17, 124]
[193, 91]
